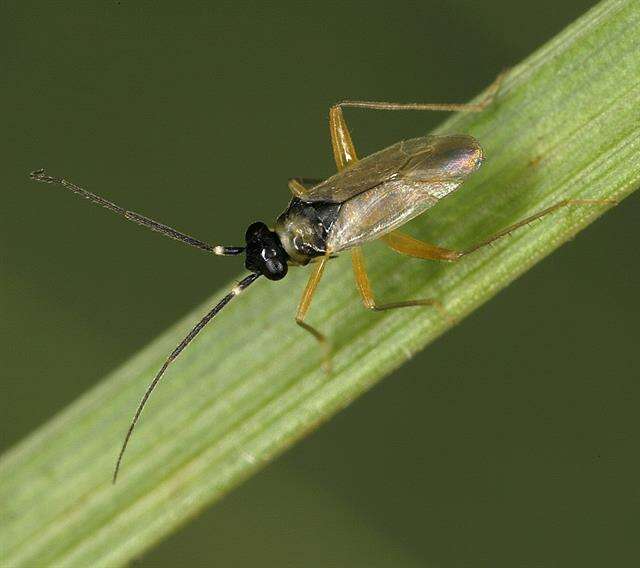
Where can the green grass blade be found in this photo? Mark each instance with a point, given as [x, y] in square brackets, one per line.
[565, 125]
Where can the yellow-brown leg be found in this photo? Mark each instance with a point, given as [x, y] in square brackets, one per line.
[368, 299]
[469, 107]
[404, 244]
[344, 151]
[300, 186]
[303, 308]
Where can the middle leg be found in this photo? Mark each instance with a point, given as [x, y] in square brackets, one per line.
[368, 299]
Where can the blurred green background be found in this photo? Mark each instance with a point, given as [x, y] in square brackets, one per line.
[196, 114]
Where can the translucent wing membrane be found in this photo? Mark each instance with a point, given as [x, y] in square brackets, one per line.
[425, 171]
[382, 209]
[425, 159]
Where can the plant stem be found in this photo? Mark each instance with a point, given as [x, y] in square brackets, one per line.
[564, 126]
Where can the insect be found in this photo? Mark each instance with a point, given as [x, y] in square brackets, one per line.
[365, 200]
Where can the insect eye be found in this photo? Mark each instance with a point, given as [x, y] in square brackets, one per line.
[255, 230]
[275, 269]
[265, 254]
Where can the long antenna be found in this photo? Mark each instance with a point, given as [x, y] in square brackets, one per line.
[42, 176]
[242, 285]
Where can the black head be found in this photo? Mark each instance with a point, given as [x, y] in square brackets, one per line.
[265, 254]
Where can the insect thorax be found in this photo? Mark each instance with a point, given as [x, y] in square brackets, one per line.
[303, 228]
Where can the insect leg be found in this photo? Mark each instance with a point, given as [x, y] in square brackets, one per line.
[473, 107]
[303, 308]
[344, 151]
[300, 186]
[405, 244]
[368, 299]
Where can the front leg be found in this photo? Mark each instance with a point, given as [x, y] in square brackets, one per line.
[303, 308]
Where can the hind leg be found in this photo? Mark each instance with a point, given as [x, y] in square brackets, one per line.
[404, 244]
[344, 151]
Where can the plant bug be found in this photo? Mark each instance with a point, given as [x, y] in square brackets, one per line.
[365, 200]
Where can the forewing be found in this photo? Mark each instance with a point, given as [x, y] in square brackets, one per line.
[382, 209]
[425, 159]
